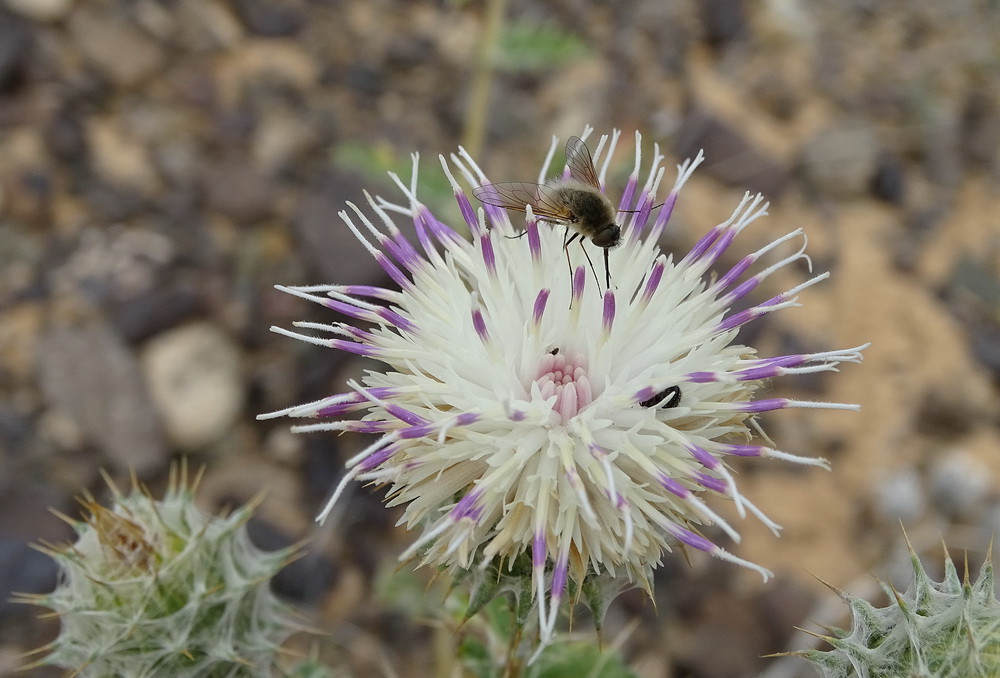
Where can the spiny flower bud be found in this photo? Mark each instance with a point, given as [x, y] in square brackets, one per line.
[947, 629]
[159, 588]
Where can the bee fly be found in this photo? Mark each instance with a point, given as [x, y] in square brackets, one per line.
[667, 398]
[576, 203]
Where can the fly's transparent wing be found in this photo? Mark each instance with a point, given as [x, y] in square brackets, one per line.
[581, 163]
[515, 195]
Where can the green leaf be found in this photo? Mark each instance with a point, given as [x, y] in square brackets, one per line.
[530, 47]
[576, 659]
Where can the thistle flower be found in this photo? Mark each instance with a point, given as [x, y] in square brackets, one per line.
[158, 588]
[524, 411]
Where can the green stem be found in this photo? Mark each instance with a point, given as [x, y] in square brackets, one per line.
[482, 78]
[513, 668]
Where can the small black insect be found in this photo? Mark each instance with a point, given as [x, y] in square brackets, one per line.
[667, 398]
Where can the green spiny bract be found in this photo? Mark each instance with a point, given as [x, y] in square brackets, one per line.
[513, 580]
[160, 589]
[947, 629]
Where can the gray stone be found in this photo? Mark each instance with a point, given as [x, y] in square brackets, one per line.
[730, 157]
[239, 191]
[324, 241]
[960, 484]
[90, 375]
[841, 161]
[41, 10]
[900, 497]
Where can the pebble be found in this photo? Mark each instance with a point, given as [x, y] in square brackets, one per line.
[723, 21]
[265, 61]
[112, 203]
[25, 199]
[720, 638]
[239, 191]
[900, 497]
[959, 483]
[304, 580]
[41, 10]
[942, 132]
[16, 430]
[842, 160]
[21, 254]
[271, 18]
[120, 157]
[66, 136]
[22, 570]
[755, 170]
[87, 372]
[195, 380]
[206, 25]
[980, 129]
[158, 309]
[952, 410]
[990, 520]
[889, 181]
[282, 139]
[986, 345]
[111, 45]
[782, 607]
[324, 240]
[15, 50]
[114, 263]
[919, 227]
[281, 445]
[27, 498]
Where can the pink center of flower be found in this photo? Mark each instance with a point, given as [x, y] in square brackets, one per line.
[565, 377]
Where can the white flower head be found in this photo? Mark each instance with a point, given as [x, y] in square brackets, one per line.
[524, 410]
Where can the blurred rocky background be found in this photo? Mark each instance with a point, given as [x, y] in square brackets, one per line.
[164, 163]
